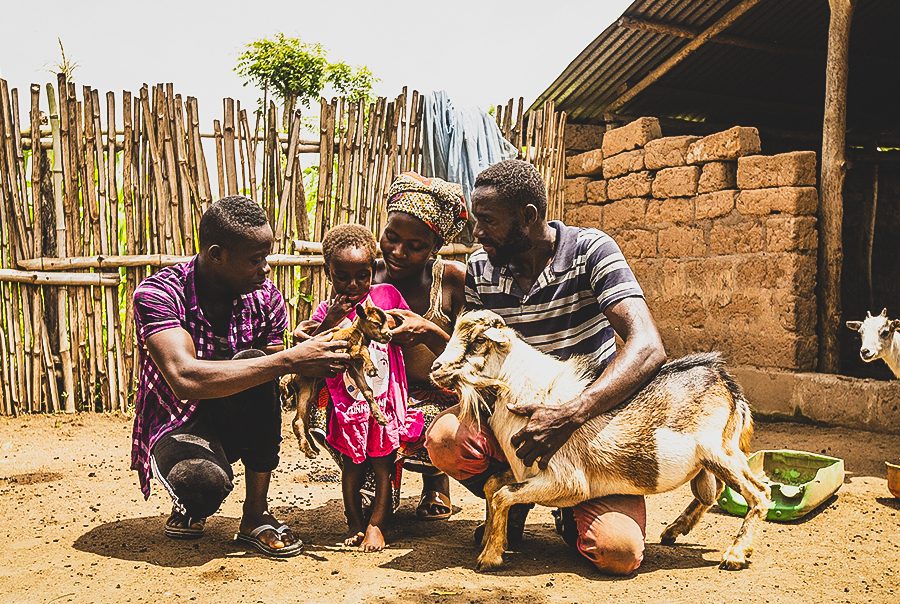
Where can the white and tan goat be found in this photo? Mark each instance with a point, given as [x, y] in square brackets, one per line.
[690, 423]
[879, 339]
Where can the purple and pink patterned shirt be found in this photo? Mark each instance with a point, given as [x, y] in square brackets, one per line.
[168, 300]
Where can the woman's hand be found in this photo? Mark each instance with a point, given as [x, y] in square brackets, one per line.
[414, 329]
[410, 327]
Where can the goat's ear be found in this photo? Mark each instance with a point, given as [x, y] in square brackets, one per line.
[497, 335]
[895, 325]
[854, 325]
[360, 311]
[883, 312]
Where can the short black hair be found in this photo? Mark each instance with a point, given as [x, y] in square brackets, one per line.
[348, 236]
[226, 221]
[518, 183]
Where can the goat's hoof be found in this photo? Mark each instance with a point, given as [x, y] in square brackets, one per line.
[669, 536]
[381, 419]
[488, 563]
[303, 443]
[732, 560]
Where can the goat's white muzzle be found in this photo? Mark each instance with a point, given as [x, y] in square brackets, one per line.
[442, 376]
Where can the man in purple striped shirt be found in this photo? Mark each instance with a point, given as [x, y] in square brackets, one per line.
[210, 339]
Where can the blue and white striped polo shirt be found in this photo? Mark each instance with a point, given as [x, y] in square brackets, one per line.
[562, 315]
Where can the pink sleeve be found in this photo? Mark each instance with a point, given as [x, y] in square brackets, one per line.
[321, 310]
[401, 302]
[389, 298]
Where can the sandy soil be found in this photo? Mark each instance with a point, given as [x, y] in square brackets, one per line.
[75, 528]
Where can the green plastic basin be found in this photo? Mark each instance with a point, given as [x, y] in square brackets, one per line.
[800, 483]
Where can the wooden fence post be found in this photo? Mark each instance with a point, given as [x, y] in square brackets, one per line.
[831, 210]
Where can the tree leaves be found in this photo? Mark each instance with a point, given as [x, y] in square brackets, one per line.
[296, 71]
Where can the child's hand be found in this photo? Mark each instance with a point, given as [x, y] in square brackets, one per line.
[338, 308]
[305, 330]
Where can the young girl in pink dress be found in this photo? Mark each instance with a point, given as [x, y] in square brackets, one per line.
[349, 252]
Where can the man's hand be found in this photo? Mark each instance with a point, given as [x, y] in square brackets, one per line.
[319, 356]
[548, 429]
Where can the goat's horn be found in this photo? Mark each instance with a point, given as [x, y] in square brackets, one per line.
[883, 312]
[868, 314]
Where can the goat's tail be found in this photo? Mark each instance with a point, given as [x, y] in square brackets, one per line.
[746, 431]
[742, 409]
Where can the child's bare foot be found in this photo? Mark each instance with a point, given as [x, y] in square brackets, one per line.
[354, 538]
[374, 540]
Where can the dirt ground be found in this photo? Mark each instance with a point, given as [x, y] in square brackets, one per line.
[75, 528]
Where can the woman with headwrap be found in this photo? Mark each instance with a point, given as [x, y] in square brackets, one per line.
[423, 215]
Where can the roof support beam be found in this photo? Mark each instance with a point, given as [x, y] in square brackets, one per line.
[831, 183]
[663, 68]
[686, 32]
[702, 99]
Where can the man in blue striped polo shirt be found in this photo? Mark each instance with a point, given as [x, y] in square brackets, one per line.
[568, 291]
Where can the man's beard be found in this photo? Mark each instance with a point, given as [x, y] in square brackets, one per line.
[515, 242]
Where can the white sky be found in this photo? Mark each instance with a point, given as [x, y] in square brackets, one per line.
[481, 52]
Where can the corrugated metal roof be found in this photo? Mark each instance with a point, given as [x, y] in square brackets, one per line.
[780, 85]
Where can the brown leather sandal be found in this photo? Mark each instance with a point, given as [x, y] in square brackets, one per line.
[430, 500]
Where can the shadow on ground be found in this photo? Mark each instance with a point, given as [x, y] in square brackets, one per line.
[434, 545]
[891, 502]
[142, 540]
[321, 528]
[441, 545]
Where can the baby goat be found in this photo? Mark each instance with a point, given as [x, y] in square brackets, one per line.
[879, 339]
[371, 323]
[690, 423]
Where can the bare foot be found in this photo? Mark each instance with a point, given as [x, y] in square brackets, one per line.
[374, 540]
[354, 538]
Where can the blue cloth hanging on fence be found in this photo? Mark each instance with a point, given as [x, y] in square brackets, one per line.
[458, 143]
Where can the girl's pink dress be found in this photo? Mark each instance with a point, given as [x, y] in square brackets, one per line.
[351, 428]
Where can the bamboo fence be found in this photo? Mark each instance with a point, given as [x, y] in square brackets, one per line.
[98, 191]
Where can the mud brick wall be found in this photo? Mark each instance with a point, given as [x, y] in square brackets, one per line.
[722, 238]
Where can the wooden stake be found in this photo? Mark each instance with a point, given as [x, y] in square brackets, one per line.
[228, 140]
[831, 210]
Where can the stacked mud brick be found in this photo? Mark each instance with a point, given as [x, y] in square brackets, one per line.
[722, 239]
